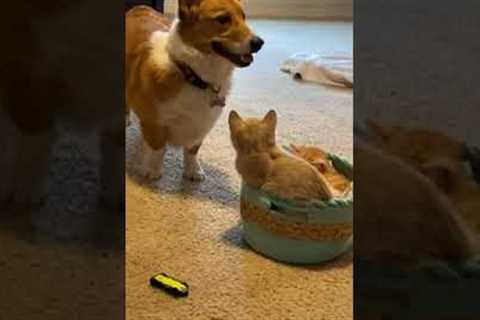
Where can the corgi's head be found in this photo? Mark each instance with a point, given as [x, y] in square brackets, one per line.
[253, 135]
[218, 26]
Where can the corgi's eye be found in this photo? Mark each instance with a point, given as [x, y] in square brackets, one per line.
[224, 19]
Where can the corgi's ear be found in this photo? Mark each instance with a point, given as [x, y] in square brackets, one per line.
[441, 173]
[235, 121]
[380, 131]
[271, 119]
[187, 8]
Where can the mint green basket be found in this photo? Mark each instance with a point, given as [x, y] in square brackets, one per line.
[302, 234]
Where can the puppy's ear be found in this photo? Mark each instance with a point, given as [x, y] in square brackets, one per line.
[187, 8]
[271, 119]
[380, 131]
[320, 165]
[441, 173]
[235, 121]
[294, 147]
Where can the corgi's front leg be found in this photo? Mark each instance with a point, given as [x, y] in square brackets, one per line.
[152, 166]
[192, 168]
[154, 147]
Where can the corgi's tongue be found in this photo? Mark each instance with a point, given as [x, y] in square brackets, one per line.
[246, 58]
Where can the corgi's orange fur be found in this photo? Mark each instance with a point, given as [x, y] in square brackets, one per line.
[211, 37]
[319, 159]
[263, 165]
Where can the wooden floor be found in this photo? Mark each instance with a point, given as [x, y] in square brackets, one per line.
[322, 9]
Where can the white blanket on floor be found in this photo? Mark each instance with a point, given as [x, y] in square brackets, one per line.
[335, 69]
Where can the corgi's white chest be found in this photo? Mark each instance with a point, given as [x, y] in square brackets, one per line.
[189, 116]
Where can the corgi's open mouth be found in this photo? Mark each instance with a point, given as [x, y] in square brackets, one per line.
[240, 60]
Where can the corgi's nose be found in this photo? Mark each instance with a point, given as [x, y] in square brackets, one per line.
[256, 44]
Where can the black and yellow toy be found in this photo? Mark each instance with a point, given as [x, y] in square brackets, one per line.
[171, 285]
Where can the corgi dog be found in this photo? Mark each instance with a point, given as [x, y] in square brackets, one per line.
[178, 75]
[263, 165]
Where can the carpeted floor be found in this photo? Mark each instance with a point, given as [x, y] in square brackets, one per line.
[193, 232]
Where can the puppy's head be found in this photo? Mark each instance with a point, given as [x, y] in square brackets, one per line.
[218, 26]
[252, 135]
[417, 146]
[445, 173]
[315, 156]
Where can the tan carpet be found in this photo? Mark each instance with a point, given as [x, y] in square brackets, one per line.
[192, 231]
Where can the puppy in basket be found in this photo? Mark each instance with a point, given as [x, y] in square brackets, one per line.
[263, 165]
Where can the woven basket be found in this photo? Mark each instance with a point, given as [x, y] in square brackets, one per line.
[310, 233]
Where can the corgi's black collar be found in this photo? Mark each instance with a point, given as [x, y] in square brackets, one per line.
[193, 78]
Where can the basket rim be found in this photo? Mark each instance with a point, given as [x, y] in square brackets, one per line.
[342, 164]
[308, 214]
[307, 230]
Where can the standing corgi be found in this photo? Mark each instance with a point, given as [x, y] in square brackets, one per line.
[178, 76]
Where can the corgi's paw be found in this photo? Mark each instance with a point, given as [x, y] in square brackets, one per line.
[192, 169]
[152, 166]
[194, 173]
[152, 172]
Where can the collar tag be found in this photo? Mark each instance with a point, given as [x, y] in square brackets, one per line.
[195, 80]
[218, 102]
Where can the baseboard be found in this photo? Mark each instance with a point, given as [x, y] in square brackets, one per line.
[291, 9]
